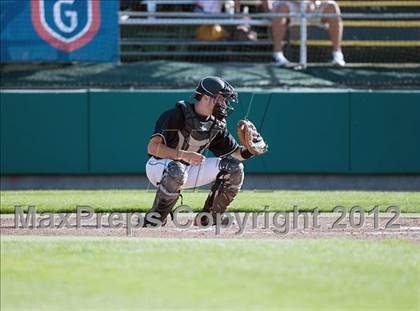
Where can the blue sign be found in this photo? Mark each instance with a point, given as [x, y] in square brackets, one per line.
[59, 30]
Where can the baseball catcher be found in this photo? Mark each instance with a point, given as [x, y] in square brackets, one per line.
[176, 149]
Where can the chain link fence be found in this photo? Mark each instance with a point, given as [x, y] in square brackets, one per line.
[374, 32]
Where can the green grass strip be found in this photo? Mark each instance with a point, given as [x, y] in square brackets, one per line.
[246, 201]
[121, 274]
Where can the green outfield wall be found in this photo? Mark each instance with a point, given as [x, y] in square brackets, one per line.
[106, 132]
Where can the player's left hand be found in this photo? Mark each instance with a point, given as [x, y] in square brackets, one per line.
[250, 138]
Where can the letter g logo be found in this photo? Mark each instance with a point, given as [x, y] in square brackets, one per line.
[72, 15]
[66, 24]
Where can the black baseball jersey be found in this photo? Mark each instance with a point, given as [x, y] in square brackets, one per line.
[182, 128]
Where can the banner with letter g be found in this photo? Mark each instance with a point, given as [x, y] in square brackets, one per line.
[59, 30]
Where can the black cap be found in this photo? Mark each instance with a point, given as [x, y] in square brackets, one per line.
[212, 86]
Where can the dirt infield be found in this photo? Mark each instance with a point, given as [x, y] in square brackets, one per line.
[406, 227]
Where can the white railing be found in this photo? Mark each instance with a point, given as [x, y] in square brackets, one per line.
[303, 56]
[239, 16]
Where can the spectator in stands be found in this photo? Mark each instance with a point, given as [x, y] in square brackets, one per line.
[215, 6]
[212, 32]
[334, 25]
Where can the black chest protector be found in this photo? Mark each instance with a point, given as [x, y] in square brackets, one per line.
[196, 134]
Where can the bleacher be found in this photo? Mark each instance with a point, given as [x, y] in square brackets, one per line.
[170, 33]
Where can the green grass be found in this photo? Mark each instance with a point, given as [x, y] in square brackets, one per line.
[247, 201]
[102, 273]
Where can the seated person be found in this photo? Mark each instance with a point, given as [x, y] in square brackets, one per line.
[334, 25]
[209, 6]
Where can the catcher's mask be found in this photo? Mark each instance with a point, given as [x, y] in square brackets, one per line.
[213, 86]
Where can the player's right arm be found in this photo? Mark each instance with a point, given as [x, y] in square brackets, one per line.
[157, 148]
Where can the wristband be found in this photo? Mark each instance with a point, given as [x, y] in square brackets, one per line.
[245, 153]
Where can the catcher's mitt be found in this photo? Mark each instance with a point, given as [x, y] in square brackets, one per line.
[250, 138]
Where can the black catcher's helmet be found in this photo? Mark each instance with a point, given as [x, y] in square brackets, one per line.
[213, 86]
